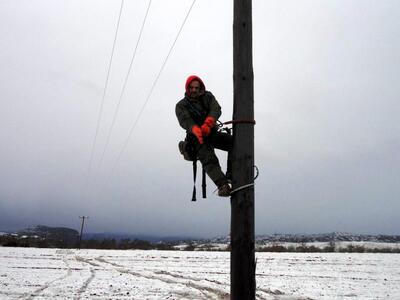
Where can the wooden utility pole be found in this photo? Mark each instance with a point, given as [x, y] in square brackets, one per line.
[80, 236]
[243, 283]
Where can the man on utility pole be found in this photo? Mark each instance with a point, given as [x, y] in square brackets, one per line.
[243, 282]
[198, 113]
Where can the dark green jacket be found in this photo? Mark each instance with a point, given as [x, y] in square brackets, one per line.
[194, 111]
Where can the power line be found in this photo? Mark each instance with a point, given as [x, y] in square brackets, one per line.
[124, 85]
[152, 87]
[104, 95]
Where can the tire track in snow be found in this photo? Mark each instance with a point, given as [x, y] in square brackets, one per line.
[88, 261]
[37, 292]
[85, 285]
[276, 294]
[191, 282]
[213, 293]
[354, 278]
[190, 277]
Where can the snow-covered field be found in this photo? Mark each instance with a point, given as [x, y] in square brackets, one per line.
[29, 273]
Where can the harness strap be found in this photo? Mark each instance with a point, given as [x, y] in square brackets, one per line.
[203, 184]
[194, 179]
[198, 115]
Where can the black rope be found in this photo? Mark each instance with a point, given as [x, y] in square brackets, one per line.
[243, 121]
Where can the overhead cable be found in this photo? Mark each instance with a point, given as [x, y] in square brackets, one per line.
[124, 85]
[104, 95]
[152, 87]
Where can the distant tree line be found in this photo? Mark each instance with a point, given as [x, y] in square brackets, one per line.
[125, 244]
[16, 241]
[39, 242]
[331, 247]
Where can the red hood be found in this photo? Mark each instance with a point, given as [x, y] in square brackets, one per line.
[192, 78]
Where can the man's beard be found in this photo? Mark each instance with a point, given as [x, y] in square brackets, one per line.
[195, 95]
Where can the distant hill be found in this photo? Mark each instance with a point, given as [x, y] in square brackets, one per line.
[70, 237]
[63, 235]
[68, 234]
[260, 239]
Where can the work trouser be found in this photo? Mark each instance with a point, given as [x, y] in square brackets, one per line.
[206, 155]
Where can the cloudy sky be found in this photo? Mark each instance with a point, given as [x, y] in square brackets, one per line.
[326, 104]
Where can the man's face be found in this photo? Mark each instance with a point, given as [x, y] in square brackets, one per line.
[194, 89]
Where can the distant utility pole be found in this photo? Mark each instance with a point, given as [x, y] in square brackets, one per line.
[80, 236]
[243, 282]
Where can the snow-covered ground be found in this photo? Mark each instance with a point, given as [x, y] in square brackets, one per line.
[29, 273]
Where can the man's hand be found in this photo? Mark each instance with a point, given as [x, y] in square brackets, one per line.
[209, 123]
[196, 130]
[205, 129]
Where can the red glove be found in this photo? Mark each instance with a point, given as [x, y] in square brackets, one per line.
[198, 133]
[205, 129]
[210, 121]
[208, 124]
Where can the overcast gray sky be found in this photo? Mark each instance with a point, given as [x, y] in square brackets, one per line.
[326, 104]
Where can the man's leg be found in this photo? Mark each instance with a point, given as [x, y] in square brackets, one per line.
[224, 141]
[211, 164]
